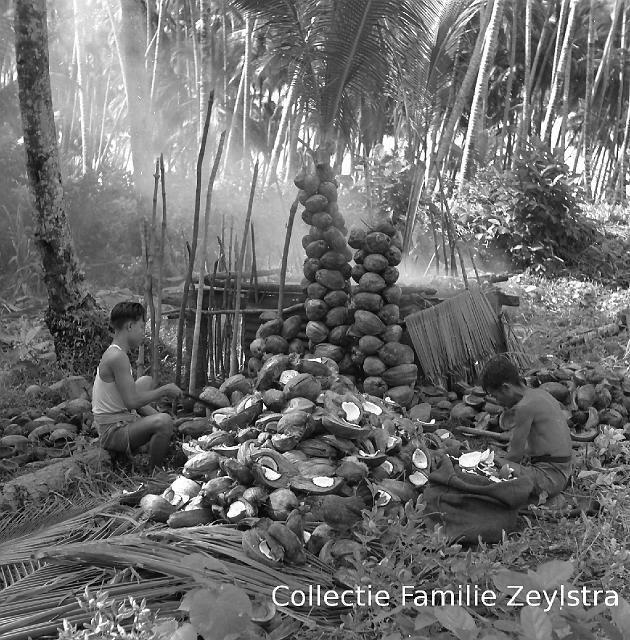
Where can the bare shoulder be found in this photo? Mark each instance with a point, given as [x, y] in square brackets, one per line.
[529, 405]
[111, 360]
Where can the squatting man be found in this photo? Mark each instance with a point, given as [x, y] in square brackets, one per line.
[123, 415]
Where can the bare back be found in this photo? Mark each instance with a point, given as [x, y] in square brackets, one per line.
[549, 432]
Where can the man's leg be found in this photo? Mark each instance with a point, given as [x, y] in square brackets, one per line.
[155, 429]
[145, 383]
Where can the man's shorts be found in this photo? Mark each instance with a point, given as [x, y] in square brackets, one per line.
[113, 431]
[550, 477]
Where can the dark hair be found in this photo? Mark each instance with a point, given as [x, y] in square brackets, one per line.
[499, 370]
[125, 311]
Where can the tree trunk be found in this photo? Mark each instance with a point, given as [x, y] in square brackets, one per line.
[562, 138]
[246, 83]
[282, 131]
[80, 87]
[522, 135]
[481, 89]
[77, 325]
[588, 99]
[205, 45]
[621, 180]
[507, 108]
[132, 35]
[558, 74]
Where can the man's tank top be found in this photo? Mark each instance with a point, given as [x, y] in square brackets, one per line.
[105, 396]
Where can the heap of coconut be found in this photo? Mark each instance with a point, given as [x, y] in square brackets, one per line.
[301, 432]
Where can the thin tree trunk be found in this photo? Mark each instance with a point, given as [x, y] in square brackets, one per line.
[558, 75]
[601, 78]
[239, 276]
[225, 54]
[282, 130]
[158, 37]
[475, 123]
[560, 30]
[205, 46]
[158, 308]
[562, 138]
[507, 109]
[621, 180]
[235, 114]
[200, 285]
[136, 89]
[588, 99]
[78, 327]
[193, 251]
[522, 135]
[246, 83]
[620, 99]
[81, 88]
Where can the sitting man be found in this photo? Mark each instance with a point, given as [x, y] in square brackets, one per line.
[116, 397]
[540, 430]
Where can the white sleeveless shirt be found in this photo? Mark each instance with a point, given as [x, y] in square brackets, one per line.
[106, 398]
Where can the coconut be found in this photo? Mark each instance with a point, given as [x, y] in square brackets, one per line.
[156, 507]
[281, 503]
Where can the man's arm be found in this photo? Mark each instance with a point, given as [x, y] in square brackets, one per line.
[518, 442]
[126, 386]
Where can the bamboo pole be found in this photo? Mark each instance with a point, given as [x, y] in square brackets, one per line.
[204, 248]
[453, 234]
[435, 238]
[155, 372]
[285, 255]
[239, 272]
[150, 242]
[254, 276]
[193, 251]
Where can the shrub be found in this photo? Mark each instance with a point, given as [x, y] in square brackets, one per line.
[532, 216]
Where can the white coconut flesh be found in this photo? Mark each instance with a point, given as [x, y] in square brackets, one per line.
[392, 442]
[487, 457]
[236, 510]
[220, 417]
[265, 549]
[370, 407]
[419, 459]
[270, 474]
[178, 500]
[443, 434]
[418, 479]
[195, 503]
[470, 460]
[382, 498]
[325, 482]
[388, 466]
[353, 413]
[306, 536]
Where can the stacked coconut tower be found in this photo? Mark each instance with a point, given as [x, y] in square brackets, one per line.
[356, 326]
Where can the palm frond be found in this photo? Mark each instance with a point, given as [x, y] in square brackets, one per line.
[159, 566]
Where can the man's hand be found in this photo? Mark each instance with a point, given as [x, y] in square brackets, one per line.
[171, 390]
